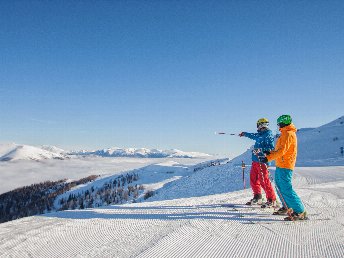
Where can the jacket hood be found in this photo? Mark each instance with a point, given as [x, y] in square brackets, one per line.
[290, 127]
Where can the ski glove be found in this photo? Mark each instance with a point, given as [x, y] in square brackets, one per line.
[241, 134]
[263, 159]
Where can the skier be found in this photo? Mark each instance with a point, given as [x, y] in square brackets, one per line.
[259, 174]
[285, 154]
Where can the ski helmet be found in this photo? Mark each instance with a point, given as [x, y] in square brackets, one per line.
[284, 120]
[262, 123]
[262, 120]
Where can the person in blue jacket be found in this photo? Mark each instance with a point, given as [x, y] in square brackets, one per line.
[259, 174]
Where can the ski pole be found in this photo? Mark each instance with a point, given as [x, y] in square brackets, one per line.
[243, 173]
[256, 151]
[224, 133]
[289, 210]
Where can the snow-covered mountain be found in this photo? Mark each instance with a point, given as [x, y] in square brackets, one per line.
[12, 152]
[316, 146]
[321, 145]
[140, 153]
[53, 149]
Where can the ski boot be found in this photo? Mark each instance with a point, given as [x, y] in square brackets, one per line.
[281, 211]
[297, 216]
[257, 199]
[270, 204]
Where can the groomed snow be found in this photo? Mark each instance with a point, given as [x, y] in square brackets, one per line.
[206, 226]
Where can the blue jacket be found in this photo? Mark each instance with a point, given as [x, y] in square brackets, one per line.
[264, 141]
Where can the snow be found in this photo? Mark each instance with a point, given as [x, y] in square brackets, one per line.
[12, 152]
[210, 225]
[196, 211]
[141, 153]
[22, 165]
[20, 173]
[53, 149]
[321, 146]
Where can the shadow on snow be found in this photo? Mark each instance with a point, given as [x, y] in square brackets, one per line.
[168, 213]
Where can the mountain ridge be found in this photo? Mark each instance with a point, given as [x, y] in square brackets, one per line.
[13, 151]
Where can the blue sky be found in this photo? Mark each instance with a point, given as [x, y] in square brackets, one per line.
[166, 74]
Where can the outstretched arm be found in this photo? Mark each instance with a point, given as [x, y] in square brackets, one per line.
[252, 136]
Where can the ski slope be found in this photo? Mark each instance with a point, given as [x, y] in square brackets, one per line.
[196, 211]
[200, 225]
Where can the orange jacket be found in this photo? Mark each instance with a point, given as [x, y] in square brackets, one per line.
[285, 151]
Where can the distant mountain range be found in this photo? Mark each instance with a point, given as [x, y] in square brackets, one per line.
[12, 152]
[319, 146]
[141, 153]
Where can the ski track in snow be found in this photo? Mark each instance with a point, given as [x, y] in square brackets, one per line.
[209, 226]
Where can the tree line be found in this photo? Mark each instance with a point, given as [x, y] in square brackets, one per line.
[115, 191]
[41, 198]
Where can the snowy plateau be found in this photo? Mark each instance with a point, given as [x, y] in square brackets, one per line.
[195, 208]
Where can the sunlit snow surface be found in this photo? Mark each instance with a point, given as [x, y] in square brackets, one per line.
[214, 224]
[196, 211]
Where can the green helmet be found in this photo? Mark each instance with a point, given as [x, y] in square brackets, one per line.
[284, 119]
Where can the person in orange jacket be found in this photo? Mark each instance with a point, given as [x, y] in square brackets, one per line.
[285, 153]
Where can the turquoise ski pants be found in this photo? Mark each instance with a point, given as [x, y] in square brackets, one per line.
[283, 179]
